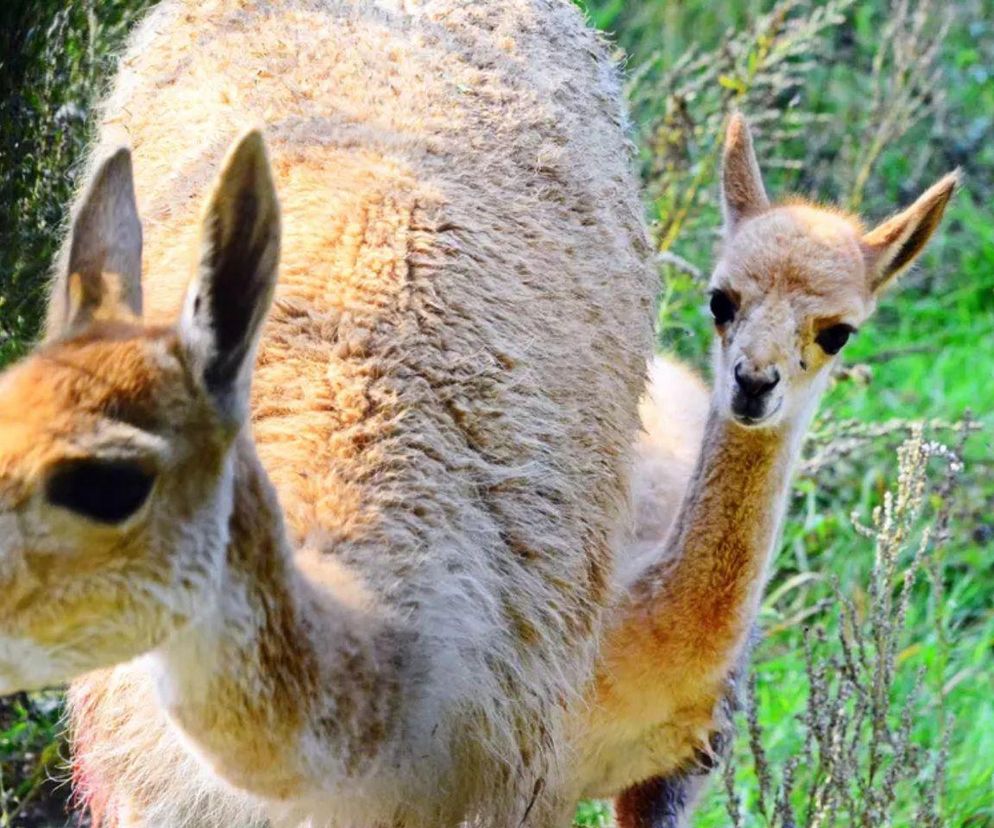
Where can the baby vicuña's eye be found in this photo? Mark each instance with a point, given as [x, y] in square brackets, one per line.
[722, 307]
[832, 339]
[107, 491]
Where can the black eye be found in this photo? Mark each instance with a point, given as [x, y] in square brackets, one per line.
[832, 339]
[722, 307]
[107, 491]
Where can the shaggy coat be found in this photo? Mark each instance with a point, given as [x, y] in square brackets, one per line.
[444, 399]
[378, 602]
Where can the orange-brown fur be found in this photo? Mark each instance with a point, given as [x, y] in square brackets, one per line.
[678, 633]
[444, 404]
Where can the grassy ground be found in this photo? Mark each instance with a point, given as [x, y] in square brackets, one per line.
[930, 350]
[820, 79]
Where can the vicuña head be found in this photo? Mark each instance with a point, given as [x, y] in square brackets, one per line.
[115, 437]
[793, 283]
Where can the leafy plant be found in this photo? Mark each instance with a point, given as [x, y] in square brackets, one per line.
[863, 103]
[56, 60]
[856, 752]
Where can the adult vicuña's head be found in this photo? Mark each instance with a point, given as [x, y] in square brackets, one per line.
[115, 476]
[794, 282]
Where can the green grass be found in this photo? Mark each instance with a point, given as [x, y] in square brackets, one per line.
[935, 334]
[936, 329]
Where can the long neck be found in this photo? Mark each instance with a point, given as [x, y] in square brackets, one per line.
[702, 599]
[277, 665]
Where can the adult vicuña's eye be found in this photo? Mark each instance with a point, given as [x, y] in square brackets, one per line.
[832, 339]
[722, 307]
[107, 491]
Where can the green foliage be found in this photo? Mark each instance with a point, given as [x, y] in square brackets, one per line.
[858, 101]
[56, 57]
[876, 103]
[594, 814]
[30, 757]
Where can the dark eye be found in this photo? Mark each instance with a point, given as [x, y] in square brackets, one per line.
[107, 491]
[832, 339]
[722, 307]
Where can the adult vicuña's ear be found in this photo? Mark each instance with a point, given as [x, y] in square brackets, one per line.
[890, 247]
[103, 279]
[742, 191]
[228, 298]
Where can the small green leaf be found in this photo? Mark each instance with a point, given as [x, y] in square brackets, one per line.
[735, 84]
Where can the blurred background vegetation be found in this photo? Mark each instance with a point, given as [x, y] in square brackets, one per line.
[56, 57]
[863, 103]
[859, 102]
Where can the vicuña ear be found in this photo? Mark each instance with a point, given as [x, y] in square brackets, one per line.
[742, 191]
[228, 298]
[890, 247]
[105, 249]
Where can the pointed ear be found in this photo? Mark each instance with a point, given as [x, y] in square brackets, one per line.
[229, 296]
[890, 247]
[742, 191]
[105, 249]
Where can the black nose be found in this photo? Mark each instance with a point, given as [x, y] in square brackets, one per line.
[756, 384]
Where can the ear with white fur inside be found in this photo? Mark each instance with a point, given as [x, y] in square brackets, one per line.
[893, 245]
[227, 300]
[105, 251]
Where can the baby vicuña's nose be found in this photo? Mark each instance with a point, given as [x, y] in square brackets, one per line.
[756, 383]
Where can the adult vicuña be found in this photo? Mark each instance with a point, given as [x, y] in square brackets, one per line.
[445, 400]
[793, 282]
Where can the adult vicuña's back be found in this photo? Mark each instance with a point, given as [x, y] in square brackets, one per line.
[444, 397]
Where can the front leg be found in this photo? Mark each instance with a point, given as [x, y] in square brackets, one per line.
[669, 801]
[661, 802]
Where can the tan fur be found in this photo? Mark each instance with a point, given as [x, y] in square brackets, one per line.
[673, 413]
[679, 631]
[444, 402]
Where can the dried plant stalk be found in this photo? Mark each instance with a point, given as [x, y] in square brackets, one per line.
[858, 746]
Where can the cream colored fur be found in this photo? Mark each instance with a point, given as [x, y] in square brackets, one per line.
[375, 606]
[792, 272]
[380, 605]
[673, 412]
